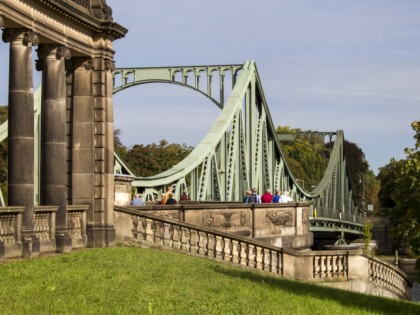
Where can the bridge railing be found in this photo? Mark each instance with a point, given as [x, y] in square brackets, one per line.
[322, 212]
[155, 231]
[349, 270]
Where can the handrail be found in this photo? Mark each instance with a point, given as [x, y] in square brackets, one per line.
[208, 242]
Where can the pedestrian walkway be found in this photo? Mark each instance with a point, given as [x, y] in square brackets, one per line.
[415, 292]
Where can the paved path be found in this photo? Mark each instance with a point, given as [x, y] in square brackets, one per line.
[415, 292]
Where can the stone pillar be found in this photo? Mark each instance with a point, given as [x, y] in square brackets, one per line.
[21, 130]
[53, 136]
[82, 138]
[102, 231]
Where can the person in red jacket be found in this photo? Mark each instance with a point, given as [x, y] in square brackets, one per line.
[267, 197]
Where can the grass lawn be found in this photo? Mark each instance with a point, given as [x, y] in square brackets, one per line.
[127, 280]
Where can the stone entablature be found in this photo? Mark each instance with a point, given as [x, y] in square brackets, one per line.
[350, 270]
[66, 22]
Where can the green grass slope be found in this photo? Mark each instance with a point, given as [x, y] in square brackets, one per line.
[124, 280]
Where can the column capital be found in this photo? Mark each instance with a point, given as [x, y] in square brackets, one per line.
[109, 65]
[51, 51]
[27, 37]
[77, 62]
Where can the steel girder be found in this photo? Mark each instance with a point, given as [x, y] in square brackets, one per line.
[241, 149]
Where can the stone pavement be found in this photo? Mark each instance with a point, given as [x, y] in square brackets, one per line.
[415, 292]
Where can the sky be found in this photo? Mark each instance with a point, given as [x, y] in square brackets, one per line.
[325, 65]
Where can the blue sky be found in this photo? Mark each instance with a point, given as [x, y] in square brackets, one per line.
[324, 65]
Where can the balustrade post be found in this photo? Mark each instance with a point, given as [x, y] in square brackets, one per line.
[168, 235]
[194, 242]
[185, 239]
[244, 254]
[150, 231]
[220, 247]
[236, 255]
[177, 237]
[228, 249]
[211, 245]
[203, 243]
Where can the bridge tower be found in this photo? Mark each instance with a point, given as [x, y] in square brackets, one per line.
[74, 52]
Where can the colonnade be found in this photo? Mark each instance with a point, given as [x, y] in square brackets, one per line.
[76, 146]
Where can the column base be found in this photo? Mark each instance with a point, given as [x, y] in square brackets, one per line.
[30, 246]
[64, 243]
[100, 235]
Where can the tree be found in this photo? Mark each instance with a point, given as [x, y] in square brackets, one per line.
[305, 156]
[152, 159]
[119, 147]
[357, 168]
[400, 194]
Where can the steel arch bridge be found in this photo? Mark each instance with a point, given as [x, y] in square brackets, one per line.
[240, 151]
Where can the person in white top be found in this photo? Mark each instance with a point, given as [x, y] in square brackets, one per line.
[285, 197]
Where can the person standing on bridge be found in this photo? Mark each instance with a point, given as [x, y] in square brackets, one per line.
[245, 198]
[171, 200]
[267, 197]
[254, 197]
[277, 196]
[184, 196]
[137, 201]
[286, 197]
[165, 196]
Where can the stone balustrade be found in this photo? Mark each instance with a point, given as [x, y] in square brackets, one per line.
[160, 232]
[349, 270]
[76, 224]
[44, 227]
[284, 225]
[387, 276]
[10, 231]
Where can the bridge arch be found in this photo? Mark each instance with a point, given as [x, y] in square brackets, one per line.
[241, 150]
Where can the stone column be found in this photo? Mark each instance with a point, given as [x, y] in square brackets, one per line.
[21, 130]
[82, 139]
[54, 136]
[102, 231]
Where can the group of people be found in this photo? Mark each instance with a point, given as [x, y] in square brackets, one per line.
[167, 198]
[253, 197]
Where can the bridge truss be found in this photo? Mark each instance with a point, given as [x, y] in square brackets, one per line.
[241, 150]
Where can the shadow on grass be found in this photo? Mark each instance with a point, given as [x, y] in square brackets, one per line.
[346, 298]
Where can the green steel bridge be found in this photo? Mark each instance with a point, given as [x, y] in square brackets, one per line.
[241, 149]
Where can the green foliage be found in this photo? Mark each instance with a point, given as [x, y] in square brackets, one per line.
[356, 166]
[367, 236]
[306, 157]
[149, 281]
[152, 159]
[400, 194]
